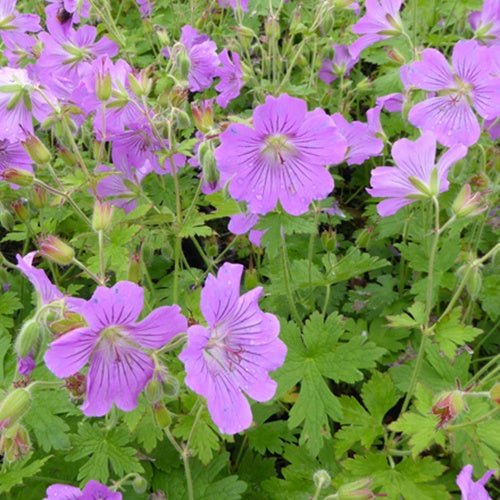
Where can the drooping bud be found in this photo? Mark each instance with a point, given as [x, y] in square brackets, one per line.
[103, 213]
[18, 176]
[139, 484]
[36, 149]
[21, 210]
[360, 490]
[54, 249]
[15, 443]
[203, 115]
[448, 406]
[14, 406]
[161, 415]
[466, 205]
[322, 479]
[27, 338]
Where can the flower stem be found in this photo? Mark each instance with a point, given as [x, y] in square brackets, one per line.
[485, 417]
[286, 279]
[82, 266]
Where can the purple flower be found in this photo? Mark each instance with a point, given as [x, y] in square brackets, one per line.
[469, 85]
[392, 103]
[486, 23]
[243, 223]
[92, 491]
[119, 369]
[145, 7]
[340, 65]
[473, 490]
[416, 176]
[235, 353]
[26, 365]
[19, 102]
[61, 15]
[282, 158]
[46, 290]
[361, 140]
[230, 78]
[381, 21]
[234, 4]
[203, 59]
[13, 24]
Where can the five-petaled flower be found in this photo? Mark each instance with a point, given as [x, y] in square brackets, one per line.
[473, 490]
[113, 342]
[234, 353]
[282, 158]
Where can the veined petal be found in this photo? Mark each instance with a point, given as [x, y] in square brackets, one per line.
[220, 295]
[118, 373]
[159, 327]
[417, 158]
[449, 117]
[118, 305]
[432, 72]
[69, 354]
[471, 61]
[280, 115]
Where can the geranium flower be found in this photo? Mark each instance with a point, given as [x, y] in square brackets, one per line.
[486, 23]
[282, 158]
[92, 490]
[234, 353]
[234, 4]
[13, 154]
[449, 115]
[62, 14]
[244, 223]
[13, 24]
[341, 64]
[113, 343]
[230, 78]
[416, 176]
[473, 490]
[381, 21]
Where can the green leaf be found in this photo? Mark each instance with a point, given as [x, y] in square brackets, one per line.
[354, 263]
[14, 474]
[9, 304]
[195, 226]
[141, 423]
[451, 333]
[415, 318]
[312, 357]
[270, 436]
[102, 450]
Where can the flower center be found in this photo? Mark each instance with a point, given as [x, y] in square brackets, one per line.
[277, 148]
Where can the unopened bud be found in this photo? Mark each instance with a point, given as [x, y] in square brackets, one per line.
[360, 490]
[15, 443]
[154, 390]
[103, 87]
[36, 149]
[448, 406]
[183, 119]
[466, 205]
[38, 197]
[251, 279]
[54, 249]
[322, 479]
[21, 210]
[139, 484]
[134, 268]
[103, 213]
[364, 85]
[203, 115]
[161, 416]
[66, 156]
[495, 394]
[364, 237]
[140, 87]
[272, 28]
[329, 240]
[245, 35]
[27, 338]
[14, 406]
[18, 176]
[184, 64]
[209, 166]
[396, 56]
[6, 219]
[474, 282]
[178, 96]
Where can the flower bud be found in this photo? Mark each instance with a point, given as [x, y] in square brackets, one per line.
[154, 390]
[21, 210]
[329, 240]
[396, 56]
[364, 85]
[360, 490]
[162, 416]
[183, 119]
[245, 36]
[170, 386]
[139, 484]
[54, 249]
[322, 479]
[272, 28]
[103, 87]
[251, 279]
[27, 338]
[14, 406]
[209, 165]
[448, 406]
[38, 197]
[15, 443]
[140, 87]
[184, 64]
[364, 237]
[134, 268]
[495, 394]
[6, 219]
[474, 282]
[466, 205]
[203, 115]
[66, 156]
[36, 149]
[178, 96]
[103, 213]
[18, 176]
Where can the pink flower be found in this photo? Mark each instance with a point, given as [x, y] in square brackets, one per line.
[473, 490]
[234, 353]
